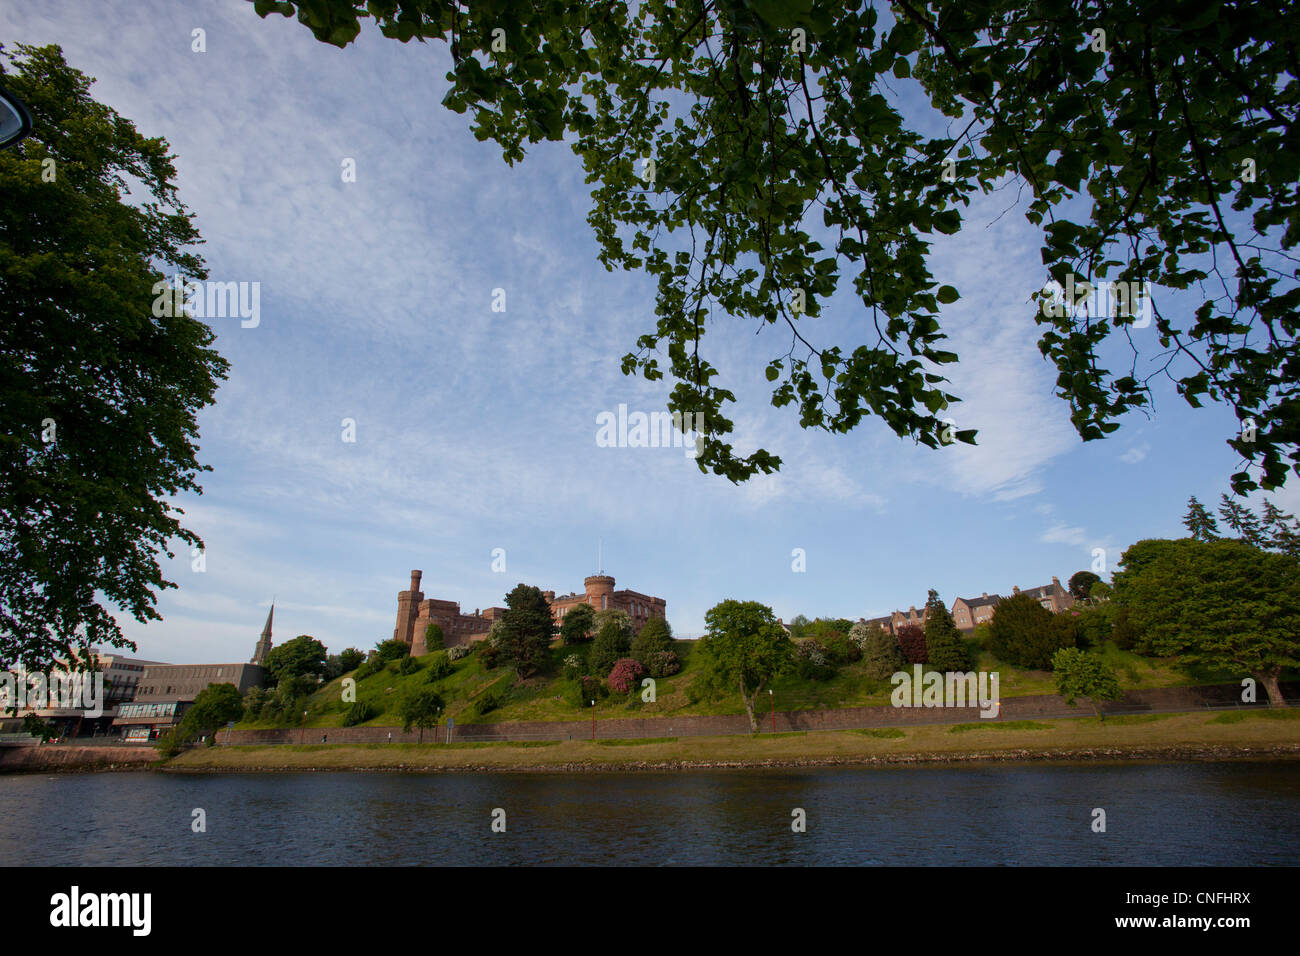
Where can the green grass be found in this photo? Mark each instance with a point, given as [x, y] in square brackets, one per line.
[999, 725]
[635, 741]
[1237, 716]
[884, 733]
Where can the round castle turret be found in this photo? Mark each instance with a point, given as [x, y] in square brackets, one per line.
[600, 589]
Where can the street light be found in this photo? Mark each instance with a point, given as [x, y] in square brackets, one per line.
[772, 697]
[302, 734]
[15, 121]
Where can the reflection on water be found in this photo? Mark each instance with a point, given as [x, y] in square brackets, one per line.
[1237, 813]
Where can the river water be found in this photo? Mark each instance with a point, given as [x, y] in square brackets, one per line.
[1231, 813]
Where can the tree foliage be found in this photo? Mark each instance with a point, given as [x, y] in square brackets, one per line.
[911, 641]
[302, 657]
[527, 629]
[1024, 633]
[577, 624]
[745, 649]
[1221, 604]
[655, 637]
[98, 396]
[1163, 152]
[213, 707]
[944, 648]
[1080, 585]
[1080, 674]
[881, 655]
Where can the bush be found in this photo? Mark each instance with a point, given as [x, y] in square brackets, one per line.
[440, 666]
[663, 664]
[488, 701]
[1124, 632]
[1026, 634]
[393, 649]
[408, 665]
[490, 656]
[839, 649]
[612, 643]
[655, 636]
[458, 651]
[625, 674]
[433, 637]
[358, 713]
[351, 658]
[882, 654]
[368, 669]
[573, 666]
[812, 662]
[911, 641]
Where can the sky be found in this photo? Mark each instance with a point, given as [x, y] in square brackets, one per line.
[475, 430]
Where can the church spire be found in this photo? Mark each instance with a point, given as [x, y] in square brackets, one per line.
[264, 644]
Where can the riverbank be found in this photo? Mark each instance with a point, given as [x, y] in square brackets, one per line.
[1164, 737]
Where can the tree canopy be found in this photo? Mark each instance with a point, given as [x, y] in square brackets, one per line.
[1155, 147]
[213, 707]
[745, 649]
[98, 396]
[1222, 604]
[302, 657]
[526, 631]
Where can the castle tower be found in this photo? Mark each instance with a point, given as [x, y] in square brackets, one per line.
[600, 590]
[408, 605]
[264, 643]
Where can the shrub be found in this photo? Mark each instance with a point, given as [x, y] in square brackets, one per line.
[663, 664]
[882, 654]
[812, 662]
[1123, 631]
[839, 649]
[458, 651]
[440, 666]
[433, 637]
[368, 669]
[573, 665]
[490, 656]
[488, 701]
[655, 636]
[625, 674]
[911, 641]
[358, 713]
[1026, 634]
[350, 659]
[408, 665]
[577, 624]
[612, 643]
[393, 649]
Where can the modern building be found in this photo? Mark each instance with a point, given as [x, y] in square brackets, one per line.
[166, 691]
[121, 681]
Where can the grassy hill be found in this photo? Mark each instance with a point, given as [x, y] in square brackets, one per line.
[475, 695]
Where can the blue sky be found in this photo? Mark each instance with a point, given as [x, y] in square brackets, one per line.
[475, 429]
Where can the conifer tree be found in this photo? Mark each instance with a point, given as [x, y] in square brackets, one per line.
[942, 639]
[1199, 522]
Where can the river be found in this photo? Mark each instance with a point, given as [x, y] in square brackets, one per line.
[1229, 813]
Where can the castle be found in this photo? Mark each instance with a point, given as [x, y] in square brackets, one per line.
[415, 613]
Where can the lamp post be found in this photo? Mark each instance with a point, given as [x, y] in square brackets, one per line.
[302, 733]
[772, 697]
[593, 720]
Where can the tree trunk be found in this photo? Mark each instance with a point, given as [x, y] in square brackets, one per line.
[1097, 707]
[1269, 680]
[749, 708]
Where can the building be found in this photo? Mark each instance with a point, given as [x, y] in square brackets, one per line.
[415, 612]
[122, 676]
[969, 613]
[164, 692]
[898, 619]
[1051, 596]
